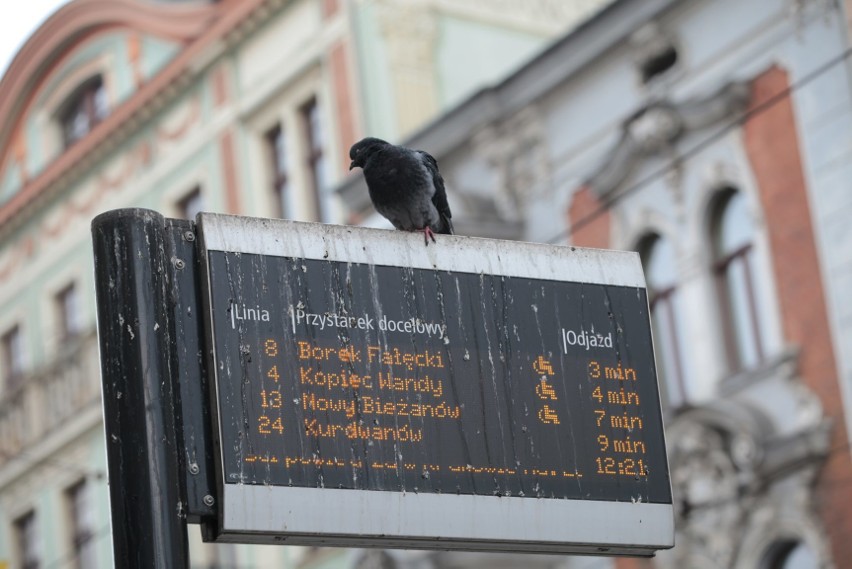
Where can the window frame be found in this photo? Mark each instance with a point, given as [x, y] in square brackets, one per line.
[663, 301]
[83, 101]
[314, 152]
[81, 532]
[71, 326]
[26, 528]
[722, 265]
[278, 167]
[13, 357]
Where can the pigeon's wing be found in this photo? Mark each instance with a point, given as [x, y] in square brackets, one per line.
[440, 197]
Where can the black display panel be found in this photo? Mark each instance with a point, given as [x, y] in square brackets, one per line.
[344, 375]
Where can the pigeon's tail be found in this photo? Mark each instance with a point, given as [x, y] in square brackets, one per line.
[446, 227]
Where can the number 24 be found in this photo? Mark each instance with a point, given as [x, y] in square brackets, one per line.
[266, 425]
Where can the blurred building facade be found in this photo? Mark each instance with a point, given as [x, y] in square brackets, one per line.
[239, 106]
[712, 137]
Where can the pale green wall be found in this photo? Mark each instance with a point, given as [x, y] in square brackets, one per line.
[459, 44]
[5, 545]
[97, 462]
[51, 507]
[36, 300]
[471, 55]
[375, 81]
[11, 180]
[35, 146]
[156, 53]
[35, 297]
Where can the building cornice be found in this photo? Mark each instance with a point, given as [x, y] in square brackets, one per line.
[564, 59]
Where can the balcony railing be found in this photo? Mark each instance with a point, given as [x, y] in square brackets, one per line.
[47, 399]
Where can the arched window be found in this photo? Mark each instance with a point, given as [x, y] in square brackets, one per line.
[279, 154]
[314, 142]
[733, 264]
[85, 108]
[658, 259]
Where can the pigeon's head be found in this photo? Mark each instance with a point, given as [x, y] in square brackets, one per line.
[363, 149]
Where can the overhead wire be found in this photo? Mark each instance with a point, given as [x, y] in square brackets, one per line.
[608, 202]
[757, 49]
[600, 210]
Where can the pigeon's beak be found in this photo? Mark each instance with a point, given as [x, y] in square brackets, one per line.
[351, 164]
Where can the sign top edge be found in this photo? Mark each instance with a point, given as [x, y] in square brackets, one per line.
[352, 244]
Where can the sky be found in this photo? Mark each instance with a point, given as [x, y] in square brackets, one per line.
[19, 22]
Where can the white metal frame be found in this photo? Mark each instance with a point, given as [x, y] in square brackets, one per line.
[277, 514]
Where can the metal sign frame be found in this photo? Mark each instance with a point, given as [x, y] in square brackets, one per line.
[329, 516]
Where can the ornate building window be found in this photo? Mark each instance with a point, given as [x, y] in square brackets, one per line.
[732, 234]
[276, 143]
[84, 109]
[191, 204]
[82, 529]
[26, 534]
[658, 259]
[67, 303]
[12, 345]
[314, 151]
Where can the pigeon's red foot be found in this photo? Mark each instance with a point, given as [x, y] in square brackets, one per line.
[428, 234]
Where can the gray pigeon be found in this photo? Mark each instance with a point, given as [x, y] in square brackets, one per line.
[405, 186]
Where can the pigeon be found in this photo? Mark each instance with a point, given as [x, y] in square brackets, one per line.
[405, 186]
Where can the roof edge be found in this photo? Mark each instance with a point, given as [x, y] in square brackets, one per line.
[556, 64]
[70, 25]
[228, 16]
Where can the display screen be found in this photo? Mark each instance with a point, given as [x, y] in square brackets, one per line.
[356, 376]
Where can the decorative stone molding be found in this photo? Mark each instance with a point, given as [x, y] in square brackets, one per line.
[516, 149]
[736, 473]
[649, 43]
[410, 31]
[73, 23]
[658, 126]
[799, 9]
[790, 519]
[654, 128]
[705, 481]
[60, 90]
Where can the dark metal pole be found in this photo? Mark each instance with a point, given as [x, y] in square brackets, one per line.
[140, 402]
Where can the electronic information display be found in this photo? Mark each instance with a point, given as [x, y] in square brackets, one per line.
[356, 371]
